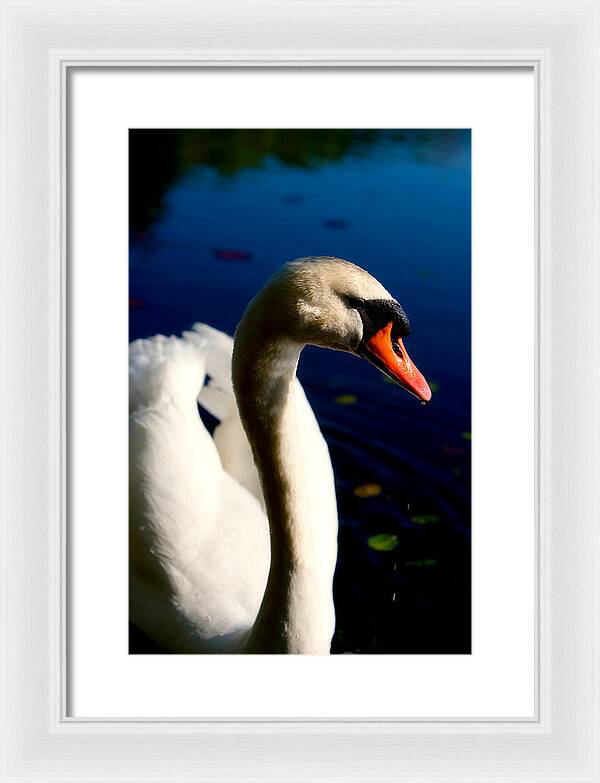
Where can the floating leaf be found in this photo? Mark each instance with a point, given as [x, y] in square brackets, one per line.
[367, 490]
[383, 542]
[425, 519]
[346, 399]
[231, 254]
[453, 449]
[466, 435]
[421, 563]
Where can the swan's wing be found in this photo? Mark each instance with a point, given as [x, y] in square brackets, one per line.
[199, 548]
[217, 348]
[218, 399]
[163, 370]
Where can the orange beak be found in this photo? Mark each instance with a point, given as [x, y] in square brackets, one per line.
[390, 356]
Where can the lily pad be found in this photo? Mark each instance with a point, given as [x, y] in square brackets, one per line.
[383, 542]
[466, 435]
[346, 399]
[368, 490]
[425, 519]
[421, 563]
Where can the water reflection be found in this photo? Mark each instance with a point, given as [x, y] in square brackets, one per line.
[158, 157]
[213, 213]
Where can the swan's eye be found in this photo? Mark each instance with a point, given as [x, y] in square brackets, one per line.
[354, 303]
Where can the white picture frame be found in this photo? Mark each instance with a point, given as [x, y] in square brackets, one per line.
[40, 42]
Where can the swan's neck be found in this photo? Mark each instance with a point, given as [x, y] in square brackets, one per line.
[290, 619]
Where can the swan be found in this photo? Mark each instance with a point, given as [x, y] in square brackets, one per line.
[233, 538]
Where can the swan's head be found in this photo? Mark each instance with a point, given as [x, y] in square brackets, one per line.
[334, 304]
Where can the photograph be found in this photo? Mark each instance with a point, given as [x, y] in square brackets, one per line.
[300, 391]
[339, 263]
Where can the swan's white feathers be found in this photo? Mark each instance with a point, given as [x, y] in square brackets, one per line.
[217, 397]
[163, 370]
[199, 538]
[218, 350]
[193, 528]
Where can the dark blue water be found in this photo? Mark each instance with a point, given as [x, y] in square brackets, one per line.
[214, 214]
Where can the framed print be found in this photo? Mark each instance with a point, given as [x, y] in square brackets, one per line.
[400, 545]
[437, 170]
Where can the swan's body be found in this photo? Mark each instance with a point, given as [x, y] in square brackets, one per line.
[220, 559]
[199, 545]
